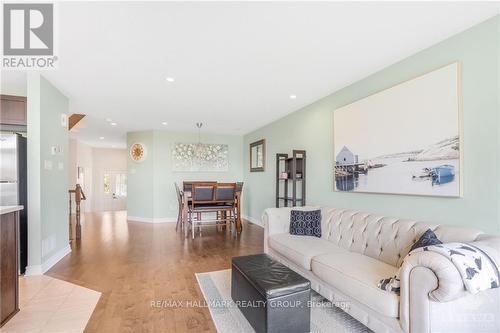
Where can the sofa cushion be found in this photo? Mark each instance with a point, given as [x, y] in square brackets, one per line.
[301, 249]
[357, 276]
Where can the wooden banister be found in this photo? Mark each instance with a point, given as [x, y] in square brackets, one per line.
[79, 196]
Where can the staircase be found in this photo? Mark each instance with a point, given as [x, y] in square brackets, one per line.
[75, 122]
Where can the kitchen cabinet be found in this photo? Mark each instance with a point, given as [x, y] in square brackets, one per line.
[13, 110]
[9, 279]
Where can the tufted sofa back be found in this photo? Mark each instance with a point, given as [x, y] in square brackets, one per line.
[384, 238]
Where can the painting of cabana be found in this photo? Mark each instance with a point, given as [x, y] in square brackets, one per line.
[402, 140]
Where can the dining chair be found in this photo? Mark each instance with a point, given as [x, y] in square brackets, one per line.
[239, 193]
[180, 201]
[188, 184]
[225, 198]
[202, 197]
[214, 198]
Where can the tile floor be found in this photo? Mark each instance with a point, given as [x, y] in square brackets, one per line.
[49, 305]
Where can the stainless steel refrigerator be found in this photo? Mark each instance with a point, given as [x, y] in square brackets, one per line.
[14, 185]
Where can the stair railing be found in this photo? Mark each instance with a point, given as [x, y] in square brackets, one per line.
[79, 196]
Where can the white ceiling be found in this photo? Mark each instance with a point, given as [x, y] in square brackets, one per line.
[235, 64]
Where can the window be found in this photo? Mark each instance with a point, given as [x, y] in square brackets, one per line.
[121, 185]
[115, 183]
[107, 187]
[80, 176]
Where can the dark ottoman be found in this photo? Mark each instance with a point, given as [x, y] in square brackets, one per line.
[272, 297]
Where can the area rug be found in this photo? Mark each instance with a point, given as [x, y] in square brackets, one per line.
[216, 288]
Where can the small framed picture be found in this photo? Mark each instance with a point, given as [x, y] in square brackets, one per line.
[258, 156]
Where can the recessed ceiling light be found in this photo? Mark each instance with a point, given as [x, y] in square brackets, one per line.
[108, 120]
[113, 146]
[114, 124]
[293, 96]
[101, 138]
[170, 79]
[164, 123]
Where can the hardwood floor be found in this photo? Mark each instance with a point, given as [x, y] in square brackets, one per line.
[133, 264]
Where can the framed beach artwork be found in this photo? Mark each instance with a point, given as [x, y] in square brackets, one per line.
[403, 140]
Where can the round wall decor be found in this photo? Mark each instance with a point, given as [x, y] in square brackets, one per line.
[138, 152]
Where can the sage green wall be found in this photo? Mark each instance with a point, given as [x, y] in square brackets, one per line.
[34, 170]
[140, 178]
[151, 192]
[47, 188]
[311, 128]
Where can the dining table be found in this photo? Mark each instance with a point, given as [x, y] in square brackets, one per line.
[187, 199]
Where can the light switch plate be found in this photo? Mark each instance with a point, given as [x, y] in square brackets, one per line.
[47, 164]
[60, 166]
[64, 120]
[56, 150]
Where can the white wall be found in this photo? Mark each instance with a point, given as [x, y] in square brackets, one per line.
[72, 162]
[95, 162]
[80, 155]
[105, 160]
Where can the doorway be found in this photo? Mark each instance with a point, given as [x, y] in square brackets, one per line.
[113, 191]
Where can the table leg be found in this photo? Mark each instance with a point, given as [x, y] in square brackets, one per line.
[185, 215]
[239, 226]
[223, 217]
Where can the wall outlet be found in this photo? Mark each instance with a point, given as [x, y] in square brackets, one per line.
[64, 120]
[47, 164]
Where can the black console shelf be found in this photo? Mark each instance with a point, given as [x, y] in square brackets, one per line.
[291, 172]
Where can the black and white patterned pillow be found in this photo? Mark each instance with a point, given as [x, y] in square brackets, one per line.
[427, 239]
[305, 223]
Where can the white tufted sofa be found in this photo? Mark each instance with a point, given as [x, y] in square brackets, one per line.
[357, 249]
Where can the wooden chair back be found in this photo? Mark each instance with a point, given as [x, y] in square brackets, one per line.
[225, 192]
[202, 192]
[188, 185]
[179, 194]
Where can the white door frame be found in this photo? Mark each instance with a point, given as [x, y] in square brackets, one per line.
[111, 201]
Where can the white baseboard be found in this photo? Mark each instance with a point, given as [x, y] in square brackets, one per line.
[33, 270]
[47, 264]
[165, 220]
[152, 219]
[252, 220]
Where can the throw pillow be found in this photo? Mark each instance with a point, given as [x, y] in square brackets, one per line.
[392, 284]
[305, 223]
[427, 239]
